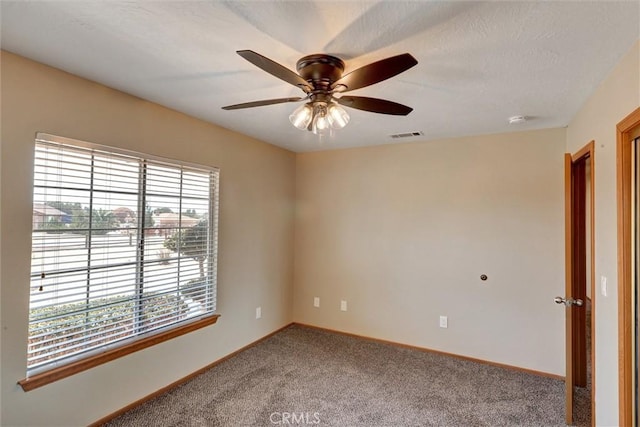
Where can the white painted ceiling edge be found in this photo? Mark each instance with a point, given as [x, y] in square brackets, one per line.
[479, 62]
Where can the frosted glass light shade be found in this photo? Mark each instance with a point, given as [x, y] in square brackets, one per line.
[338, 117]
[302, 116]
[320, 123]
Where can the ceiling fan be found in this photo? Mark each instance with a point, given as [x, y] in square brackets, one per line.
[320, 78]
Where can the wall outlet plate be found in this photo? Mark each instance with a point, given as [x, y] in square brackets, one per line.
[444, 322]
[343, 305]
[316, 301]
[258, 312]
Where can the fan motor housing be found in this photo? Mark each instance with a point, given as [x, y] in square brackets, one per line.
[320, 69]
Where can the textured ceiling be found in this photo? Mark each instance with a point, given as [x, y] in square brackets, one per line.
[479, 62]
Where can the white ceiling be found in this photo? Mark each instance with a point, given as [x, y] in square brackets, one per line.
[479, 62]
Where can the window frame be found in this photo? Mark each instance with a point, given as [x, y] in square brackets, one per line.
[138, 341]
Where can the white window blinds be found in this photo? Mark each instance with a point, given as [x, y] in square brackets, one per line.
[122, 246]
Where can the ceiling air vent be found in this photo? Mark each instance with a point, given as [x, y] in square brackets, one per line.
[406, 134]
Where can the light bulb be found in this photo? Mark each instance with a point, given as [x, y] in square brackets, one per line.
[320, 121]
[338, 117]
[302, 116]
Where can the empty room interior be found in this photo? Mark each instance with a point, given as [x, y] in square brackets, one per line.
[319, 212]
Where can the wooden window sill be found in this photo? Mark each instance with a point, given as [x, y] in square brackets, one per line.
[73, 368]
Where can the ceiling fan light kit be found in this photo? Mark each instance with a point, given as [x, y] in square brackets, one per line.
[319, 117]
[320, 78]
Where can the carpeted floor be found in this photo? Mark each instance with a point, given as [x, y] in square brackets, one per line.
[306, 376]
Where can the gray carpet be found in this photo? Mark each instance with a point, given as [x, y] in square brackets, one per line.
[329, 379]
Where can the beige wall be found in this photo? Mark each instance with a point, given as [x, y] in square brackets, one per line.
[256, 236]
[403, 233]
[614, 99]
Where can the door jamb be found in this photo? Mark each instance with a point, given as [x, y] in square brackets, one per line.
[625, 314]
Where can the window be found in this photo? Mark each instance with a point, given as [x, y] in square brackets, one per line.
[123, 247]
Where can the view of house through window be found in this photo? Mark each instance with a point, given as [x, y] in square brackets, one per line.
[122, 245]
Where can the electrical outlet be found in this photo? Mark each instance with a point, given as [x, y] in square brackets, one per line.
[343, 305]
[316, 301]
[603, 286]
[444, 322]
[258, 312]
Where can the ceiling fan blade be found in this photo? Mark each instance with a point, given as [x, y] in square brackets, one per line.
[275, 69]
[374, 72]
[374, 105]
[261, 103]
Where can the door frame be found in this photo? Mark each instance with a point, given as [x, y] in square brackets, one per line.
[586, 152]
[625, 312]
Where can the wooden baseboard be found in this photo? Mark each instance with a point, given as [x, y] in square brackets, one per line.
[183, 380]
[428, 350]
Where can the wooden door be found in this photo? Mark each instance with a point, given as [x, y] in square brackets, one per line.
[575, 298]
[579, 266]
[569, 378]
